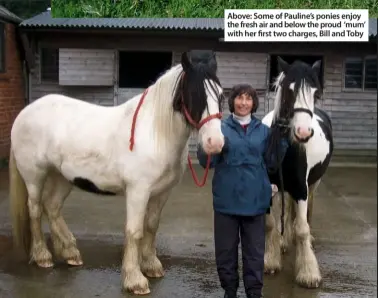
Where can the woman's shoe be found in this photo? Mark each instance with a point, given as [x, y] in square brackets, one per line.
[230, 294]
[251, 295]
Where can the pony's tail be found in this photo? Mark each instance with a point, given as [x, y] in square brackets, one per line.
[19, 208]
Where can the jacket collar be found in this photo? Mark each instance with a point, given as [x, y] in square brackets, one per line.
[236, 125]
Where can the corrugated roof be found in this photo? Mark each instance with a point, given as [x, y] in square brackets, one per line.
[8, 16]
[45, 20]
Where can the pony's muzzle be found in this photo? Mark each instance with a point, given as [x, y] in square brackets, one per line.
[213, 145]
[304, 132]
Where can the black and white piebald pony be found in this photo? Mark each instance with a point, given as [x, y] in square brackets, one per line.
[137, 149]
[309, 131]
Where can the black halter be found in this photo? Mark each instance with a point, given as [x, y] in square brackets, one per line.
[303, 110]
[285, 122]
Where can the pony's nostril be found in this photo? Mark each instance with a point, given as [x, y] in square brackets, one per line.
[209, 141]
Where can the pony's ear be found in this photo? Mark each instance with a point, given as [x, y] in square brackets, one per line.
[283, 65]
[185, 62]
[316, 67]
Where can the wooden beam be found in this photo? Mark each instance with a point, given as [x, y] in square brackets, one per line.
[28, 51]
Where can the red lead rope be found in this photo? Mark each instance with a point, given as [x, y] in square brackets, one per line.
[135, 118]
[194, 175]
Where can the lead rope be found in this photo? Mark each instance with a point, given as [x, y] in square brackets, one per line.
[194, 175]
[280, 159]
[135, 118]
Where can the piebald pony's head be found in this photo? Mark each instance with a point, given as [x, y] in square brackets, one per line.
[298, 89]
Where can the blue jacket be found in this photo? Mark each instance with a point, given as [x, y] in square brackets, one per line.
[241, 184]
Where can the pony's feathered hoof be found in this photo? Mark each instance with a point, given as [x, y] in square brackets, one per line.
[42, 257]
[284, 247]
[308, 281]
[136, 283]
[75, 262]
[45, 264]
[272, 269]
[71, 255]
[142, 292]
[154, 273]
[152, 268]
[272, 264]
[308, 275]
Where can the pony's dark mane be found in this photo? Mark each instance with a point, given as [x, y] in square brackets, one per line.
[302, 75]
[190, 86]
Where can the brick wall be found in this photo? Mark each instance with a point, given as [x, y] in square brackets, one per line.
[12, 90]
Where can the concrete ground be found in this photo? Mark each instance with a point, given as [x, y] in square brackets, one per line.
[344, 227]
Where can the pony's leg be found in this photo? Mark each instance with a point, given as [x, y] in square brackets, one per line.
[136, 203]
[57, 188]
[306, 264]
[311, 193]
[39, 252]
[272, 256]
[151, 265]
[287, 239]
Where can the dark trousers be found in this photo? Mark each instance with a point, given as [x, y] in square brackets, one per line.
[251, 229]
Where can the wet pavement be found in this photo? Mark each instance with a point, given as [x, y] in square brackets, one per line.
[344, 227]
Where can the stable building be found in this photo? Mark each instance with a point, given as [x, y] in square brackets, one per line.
[107, 61]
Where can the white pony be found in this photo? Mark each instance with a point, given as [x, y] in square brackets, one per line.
[58, 142]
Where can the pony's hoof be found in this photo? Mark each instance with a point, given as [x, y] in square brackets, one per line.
[272, 267]
[136, 283]
[154, 273]
[45, 264]
[311, 282]
[271, 271]
[142, 292]
[152, 268]
[74, 262]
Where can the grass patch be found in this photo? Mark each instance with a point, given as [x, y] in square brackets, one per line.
[191, 8]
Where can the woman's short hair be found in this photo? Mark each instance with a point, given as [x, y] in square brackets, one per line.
[240, 89]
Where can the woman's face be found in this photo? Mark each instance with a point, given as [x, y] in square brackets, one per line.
[243, 105]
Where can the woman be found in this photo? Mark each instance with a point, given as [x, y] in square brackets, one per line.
[241, 194]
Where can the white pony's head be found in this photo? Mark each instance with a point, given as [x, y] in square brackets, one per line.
[199, 97]
[298, 89]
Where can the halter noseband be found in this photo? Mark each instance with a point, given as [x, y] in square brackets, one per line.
[303, 110]
[284, 122]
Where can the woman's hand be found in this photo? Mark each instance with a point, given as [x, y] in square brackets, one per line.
[274, 189]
